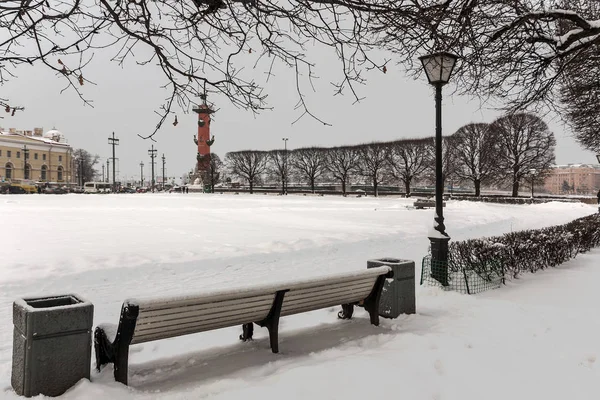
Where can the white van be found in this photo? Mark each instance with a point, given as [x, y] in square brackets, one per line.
[96, 187]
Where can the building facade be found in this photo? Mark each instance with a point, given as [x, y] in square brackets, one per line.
[580, 179]
[35, 156]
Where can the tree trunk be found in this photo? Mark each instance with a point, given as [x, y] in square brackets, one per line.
[375, 187]
[250, 182]
[515, 187]
[312, 185]
[477, 187]
[283, 183]
[343, 187]
[407, 187]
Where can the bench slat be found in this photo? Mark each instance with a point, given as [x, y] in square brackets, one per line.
[329, 289]
[242, 312]
[166, 307]
[322, 302]
[186, 329]
[182, 332]
[317, 299]
[205, 309]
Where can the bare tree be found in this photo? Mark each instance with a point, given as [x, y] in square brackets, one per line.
[476, 155]
[448, 159]
[85, 163]
[309, 163]
[580, 96]
[278, 166]
[247, 164]
[341, 163]
[580, 87]
[524, 143]
[373, 161]
[201, 46]
[408, 160]
[215, 171]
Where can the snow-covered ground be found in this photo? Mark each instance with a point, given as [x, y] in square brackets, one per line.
[536, 338]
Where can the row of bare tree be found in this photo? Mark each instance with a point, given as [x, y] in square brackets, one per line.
[503, 152]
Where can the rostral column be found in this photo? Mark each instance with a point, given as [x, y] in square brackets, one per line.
[204, 140]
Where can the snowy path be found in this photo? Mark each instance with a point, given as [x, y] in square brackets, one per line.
[536, 338]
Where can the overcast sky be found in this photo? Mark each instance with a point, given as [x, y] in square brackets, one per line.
[125, 99]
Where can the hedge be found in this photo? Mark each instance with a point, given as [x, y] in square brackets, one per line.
[479, 264]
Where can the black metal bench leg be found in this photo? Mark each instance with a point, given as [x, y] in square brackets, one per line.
[247, 332]
[272, 321]
[347, 311]
[121, 364]
[371, 303]
[104, 349]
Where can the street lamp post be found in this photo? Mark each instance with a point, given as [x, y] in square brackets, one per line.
[438, 68]
[284, 188]
[532, 172]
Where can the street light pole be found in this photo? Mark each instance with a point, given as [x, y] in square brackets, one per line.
[152, 153]
[107, 170]
[285, 174]
[438, 68]
[532, 173]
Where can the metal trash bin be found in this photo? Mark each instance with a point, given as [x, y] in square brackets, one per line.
[398, 294]
[52, 344]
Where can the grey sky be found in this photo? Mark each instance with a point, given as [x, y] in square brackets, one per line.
[125, 99]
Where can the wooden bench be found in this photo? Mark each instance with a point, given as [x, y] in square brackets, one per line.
[421, 204]
[146, 320]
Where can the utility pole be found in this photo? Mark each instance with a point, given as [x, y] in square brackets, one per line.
[113, 142]
[152, 153]
[107, 169]
[163, 171]
[25, 157]
[102, 172]
[142, 174]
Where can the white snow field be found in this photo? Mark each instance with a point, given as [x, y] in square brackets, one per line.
[536, 338]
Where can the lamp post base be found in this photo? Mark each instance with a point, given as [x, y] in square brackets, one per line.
[439, 259]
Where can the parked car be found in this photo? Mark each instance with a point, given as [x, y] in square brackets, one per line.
[55, 190]
[17, 189]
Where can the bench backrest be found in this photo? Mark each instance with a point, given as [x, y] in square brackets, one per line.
[176, 316]
[308, 296]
